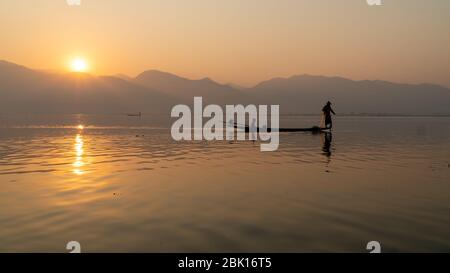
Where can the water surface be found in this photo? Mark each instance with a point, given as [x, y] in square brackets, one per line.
[122, 184]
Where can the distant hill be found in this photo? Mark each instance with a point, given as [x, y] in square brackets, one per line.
[307, 94]
[29, 91]
[124, 77]
[185, 89]
[23, 90]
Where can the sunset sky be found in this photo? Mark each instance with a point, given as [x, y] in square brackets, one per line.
[239, 41]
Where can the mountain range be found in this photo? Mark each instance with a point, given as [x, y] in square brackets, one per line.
[24, 90]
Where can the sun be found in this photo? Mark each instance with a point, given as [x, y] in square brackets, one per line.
[79, 65]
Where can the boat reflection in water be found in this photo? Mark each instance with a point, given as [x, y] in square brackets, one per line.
[327, 138]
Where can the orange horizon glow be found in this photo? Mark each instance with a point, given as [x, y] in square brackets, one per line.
[242, 42]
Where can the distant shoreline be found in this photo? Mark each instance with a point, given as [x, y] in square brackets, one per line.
[373, 115]
[281, 115]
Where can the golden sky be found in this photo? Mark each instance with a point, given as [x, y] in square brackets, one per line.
[239, 41]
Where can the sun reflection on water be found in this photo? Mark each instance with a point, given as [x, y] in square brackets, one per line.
[79, 152]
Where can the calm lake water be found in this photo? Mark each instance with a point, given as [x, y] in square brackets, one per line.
[121, 184]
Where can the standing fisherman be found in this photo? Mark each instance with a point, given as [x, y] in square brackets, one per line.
[327, 110]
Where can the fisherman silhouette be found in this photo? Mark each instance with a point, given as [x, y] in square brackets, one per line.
[327, 110]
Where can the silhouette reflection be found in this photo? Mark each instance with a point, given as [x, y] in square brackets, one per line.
[327, 138]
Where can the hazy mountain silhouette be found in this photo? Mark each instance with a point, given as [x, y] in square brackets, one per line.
[26, 90]
[185, 89]
[23, 90]
[307, 94]
[124, 77]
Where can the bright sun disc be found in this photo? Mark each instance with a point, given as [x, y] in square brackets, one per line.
[79, 65]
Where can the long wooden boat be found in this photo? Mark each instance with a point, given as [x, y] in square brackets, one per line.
[291, 130]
